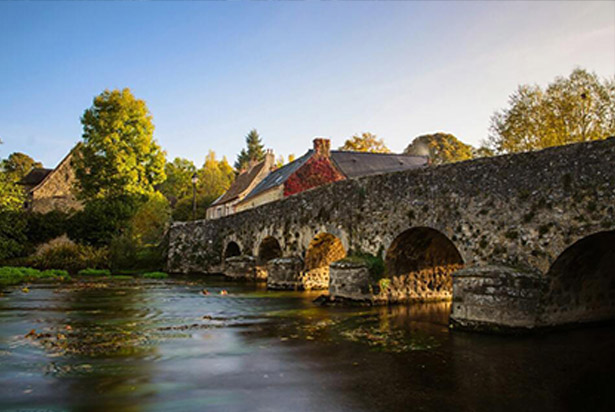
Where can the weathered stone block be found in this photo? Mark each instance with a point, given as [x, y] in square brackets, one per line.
[514, 305]
[349, 280]
[284, 273]
[240, 267]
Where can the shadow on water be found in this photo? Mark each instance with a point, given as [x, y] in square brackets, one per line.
[164, 345]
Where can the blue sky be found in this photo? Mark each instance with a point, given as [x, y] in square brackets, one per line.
[210, 72]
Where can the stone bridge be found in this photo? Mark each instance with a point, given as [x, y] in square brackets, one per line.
[530, 238]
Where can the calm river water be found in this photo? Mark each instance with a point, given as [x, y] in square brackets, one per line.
[164, 346]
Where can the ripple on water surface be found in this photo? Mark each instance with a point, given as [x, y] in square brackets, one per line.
[164, 345]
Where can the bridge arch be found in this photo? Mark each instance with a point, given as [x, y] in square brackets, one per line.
[324, 249]
[581, 281]
[420, 262]
[268, 249]
[231, 249]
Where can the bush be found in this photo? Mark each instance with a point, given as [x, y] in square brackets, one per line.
[155, 275]
[102, 220]
[94, 272]
[13, 239]
[64, 253]
[124, 255]
[42, 228]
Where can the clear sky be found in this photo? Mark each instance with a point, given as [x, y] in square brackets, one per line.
[210, 72]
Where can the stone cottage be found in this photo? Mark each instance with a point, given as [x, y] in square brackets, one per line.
[52, 189]
[320, 166]
[245, 182]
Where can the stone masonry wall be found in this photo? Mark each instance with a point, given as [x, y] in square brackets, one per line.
[56, 191]
[516, 210]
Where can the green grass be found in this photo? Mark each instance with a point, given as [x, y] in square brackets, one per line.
[12, 275]
[94, 272]
[155, 275]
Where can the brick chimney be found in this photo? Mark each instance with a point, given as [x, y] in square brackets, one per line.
[322, 147]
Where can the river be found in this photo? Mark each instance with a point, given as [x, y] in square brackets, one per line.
[165, 346]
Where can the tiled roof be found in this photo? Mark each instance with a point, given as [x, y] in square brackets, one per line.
[241, 183]
[351, 164]
[279, 176]
[35, 176]
[357, 164]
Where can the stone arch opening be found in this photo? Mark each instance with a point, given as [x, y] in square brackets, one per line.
[269, 249]
[420, 263]
[232, 249]
[581, 281]
[323, 250]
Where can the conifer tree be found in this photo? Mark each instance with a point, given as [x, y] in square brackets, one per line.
[254, 151]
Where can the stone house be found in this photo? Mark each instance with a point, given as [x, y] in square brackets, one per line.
[51, 189]
[245, 182]
[320, 166]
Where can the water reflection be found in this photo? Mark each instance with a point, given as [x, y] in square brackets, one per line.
[159, 345]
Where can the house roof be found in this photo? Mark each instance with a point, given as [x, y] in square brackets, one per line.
[35, 176]
[351, 164]
[357, 164]
[279, 176]
[241, 183]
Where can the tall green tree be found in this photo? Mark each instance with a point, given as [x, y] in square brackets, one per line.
[577, 108]
[17, 165]
[178, 183]
[366, 142]
[119, 155]
[440, 147]
[254, 151]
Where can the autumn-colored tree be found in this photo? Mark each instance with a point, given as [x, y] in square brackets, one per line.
[366, 142]
[440, 147]
[254, 151]
[578, 108]
[119, 155]
[214, 178]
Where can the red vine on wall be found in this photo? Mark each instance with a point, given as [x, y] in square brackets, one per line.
[317, 171]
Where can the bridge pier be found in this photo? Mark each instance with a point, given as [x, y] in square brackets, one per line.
[496, 298]
[241, 267]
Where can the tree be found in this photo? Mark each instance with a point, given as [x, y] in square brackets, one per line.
[215, 177]
[17, 165]
[367, 142]
[151, 220]
[178, 183]
[578, 108]
[254, 151]
[119, 155]
[12, 196]
[440, 147]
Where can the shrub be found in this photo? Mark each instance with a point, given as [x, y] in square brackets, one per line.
[64, 253]
[42, 228]
[155, 275]
[102, 220]
[124, 255]
[94, 272]
[13, 239]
